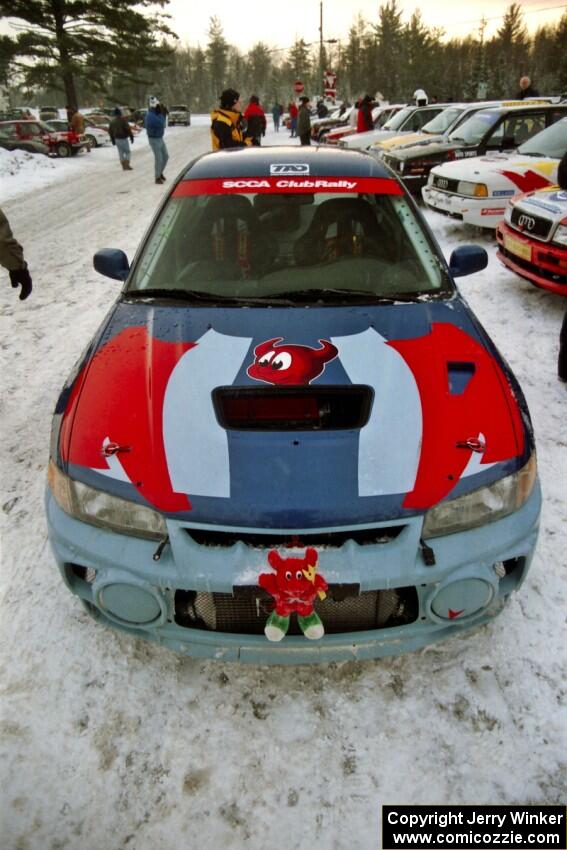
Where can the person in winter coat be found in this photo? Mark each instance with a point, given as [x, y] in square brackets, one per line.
[293, 112]
[364, 120]
[562, 358]
[121, 136]
[154, 124]
[77, 122]
[304, 121]
[526, 89]
[12, 258]
[322, 110]
[255, 118]
[276, 115]
[226, 122]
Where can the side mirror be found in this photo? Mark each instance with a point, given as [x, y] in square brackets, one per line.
[111, 262]
[467, 259]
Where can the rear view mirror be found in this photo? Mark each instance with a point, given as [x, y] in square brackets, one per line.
[112, 262]
[467, 259]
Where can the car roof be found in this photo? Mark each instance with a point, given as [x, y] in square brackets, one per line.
[256, 161]
[531, 107]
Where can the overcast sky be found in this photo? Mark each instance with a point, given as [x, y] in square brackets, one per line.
[278, 24]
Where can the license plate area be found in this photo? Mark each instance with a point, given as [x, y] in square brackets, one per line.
[518, 248]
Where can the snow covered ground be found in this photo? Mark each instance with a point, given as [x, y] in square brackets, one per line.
[108, 743]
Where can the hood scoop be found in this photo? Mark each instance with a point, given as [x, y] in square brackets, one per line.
[322, 408]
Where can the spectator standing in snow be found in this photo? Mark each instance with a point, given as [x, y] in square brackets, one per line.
[12, 258]
[562, 359]
[420, 97]
[322, 110]
[154, 124]
[77, 122]
[121, 136]
[293, 112]
[364, 120]
[526, 89]
[304, 121]
[276, 115]
[255, 118]
[226, 122]
[353, 115]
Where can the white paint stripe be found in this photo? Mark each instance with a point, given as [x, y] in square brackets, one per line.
[196, 446]
[115, 469]
[390, 443]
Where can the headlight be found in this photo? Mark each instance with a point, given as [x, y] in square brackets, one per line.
[475, 190]
[560, 236]
[482, 506]
[101, 509]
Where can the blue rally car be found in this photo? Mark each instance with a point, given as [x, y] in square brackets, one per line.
[291, 440]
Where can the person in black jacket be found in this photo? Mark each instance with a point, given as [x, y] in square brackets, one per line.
[526, 89]
[12, 258]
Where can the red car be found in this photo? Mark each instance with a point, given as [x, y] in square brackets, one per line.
[58, 143]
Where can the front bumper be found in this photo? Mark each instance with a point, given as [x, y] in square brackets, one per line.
[98, 566]
[542, 263]
[480, 212]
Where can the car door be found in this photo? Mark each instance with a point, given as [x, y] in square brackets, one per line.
[513, 130]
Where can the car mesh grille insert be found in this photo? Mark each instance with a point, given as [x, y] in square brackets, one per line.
[293, 408]
[445, 184]
[330, 539]
[531, 225]
[343, 610]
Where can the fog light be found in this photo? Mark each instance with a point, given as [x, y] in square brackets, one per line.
[461, 599]
[129, 604]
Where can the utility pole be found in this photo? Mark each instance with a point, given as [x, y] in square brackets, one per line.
[321, 69]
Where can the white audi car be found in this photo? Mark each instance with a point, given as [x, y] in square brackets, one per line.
[476, 190]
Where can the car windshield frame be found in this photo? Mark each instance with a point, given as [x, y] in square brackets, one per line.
[441, 123]
[416, 272]
[473, 130]
[533, 147]
[396, 121]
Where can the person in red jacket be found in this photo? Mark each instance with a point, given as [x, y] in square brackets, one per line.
[255, 121]
[293, 110]
[364, 120]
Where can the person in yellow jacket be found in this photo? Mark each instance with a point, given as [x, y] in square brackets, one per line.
[227, 130]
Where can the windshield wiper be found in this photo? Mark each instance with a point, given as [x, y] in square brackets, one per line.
[207, 297]
[319, 295]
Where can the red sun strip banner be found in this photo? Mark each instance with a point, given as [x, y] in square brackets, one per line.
[253, 185]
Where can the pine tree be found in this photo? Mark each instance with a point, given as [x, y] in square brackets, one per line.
[105, 45]
[390, 56]
[217, 53]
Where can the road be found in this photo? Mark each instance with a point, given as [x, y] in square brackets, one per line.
[108, 743]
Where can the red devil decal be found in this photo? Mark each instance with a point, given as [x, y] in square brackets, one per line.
[295, 584]
[289, 365]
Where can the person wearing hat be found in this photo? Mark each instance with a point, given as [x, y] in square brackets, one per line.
[121, 136]
[226, 122]
[154, 124]
[364, 120]
[304, 121]
[420, 97]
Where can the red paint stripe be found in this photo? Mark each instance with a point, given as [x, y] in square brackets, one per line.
[298, 185]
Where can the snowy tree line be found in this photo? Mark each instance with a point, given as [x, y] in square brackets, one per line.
[388, 55]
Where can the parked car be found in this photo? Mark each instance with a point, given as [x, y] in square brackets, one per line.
[49, 113]
[59, 143]
[11, 143]
[410, 119]
[179, 115]
[532, 239]
[502, 128]
[330, 431]
[380, 115]
[319, 126]
[95, 136]
[475, 191]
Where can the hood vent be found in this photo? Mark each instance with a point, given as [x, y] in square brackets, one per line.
[293, 408]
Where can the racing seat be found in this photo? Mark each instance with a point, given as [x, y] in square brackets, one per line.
[341, 227]
[231, 234]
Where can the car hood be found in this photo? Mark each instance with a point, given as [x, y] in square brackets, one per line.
[138, 419]
[504, 173]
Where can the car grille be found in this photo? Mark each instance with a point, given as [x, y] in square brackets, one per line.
[532, 225]
[546, 274]
[343, 610]
[259, 540]
[445, 184]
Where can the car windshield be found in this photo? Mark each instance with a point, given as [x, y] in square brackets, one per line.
[443, 121]
[550, 142]
[300, 246]
[178, 109]
[472, 131]
[398, 119]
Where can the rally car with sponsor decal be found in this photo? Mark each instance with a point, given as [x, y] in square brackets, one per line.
[410, 119]
[476, 191]
[490, 130]
[532, 238]
[290, 439]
